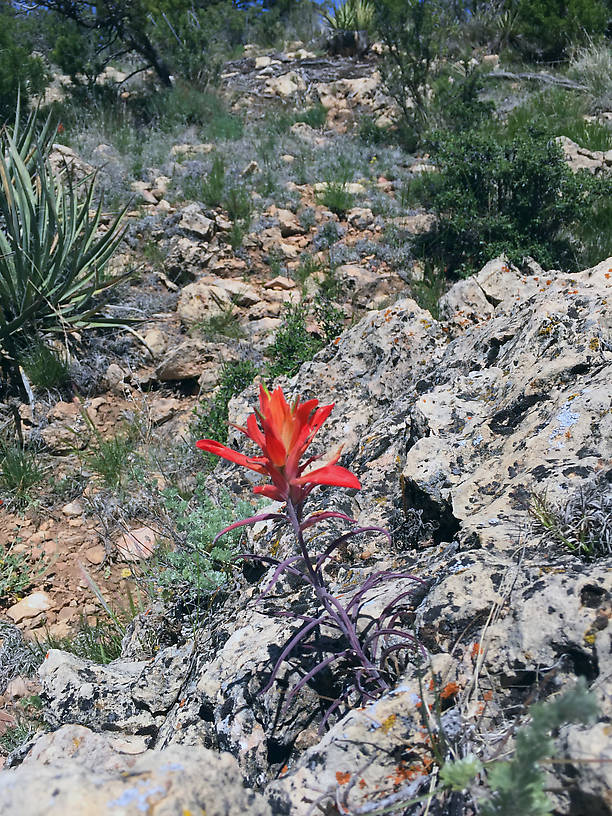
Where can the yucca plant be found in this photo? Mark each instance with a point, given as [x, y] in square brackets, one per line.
[52, 256]
[352, 15]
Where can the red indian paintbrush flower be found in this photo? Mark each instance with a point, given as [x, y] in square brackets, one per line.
[284, 432]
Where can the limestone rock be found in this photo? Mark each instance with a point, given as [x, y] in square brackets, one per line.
[106, 753]
[191, 359]
[360, 218]
[63, 159]
[138, 544]
[579, 158]
[156, 340]
[178, 780]
[190, 150]
[192, 220]
[202, 300]
[186, 258]
[465, 303]
[289, 224]
[82, 692]
[162, 409]
[31, 606]
[501, 281]
[161, 681]
[286, 84]
[364, 286]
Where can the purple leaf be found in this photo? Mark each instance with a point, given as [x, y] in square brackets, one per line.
[250, 520]
[317, 517]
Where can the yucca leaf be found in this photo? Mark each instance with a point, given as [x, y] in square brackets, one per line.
[52, 256]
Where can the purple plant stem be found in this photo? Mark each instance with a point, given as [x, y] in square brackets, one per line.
[288, 649]
[333, 607]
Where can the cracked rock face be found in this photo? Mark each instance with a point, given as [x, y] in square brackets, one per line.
[451, 439]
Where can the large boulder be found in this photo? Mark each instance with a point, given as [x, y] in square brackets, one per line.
[179, 780]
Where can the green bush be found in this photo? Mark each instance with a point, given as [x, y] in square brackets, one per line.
[45, 367]
[17, 573]
[198, 565]
[210, 418]
[315, 116]
[336, 197]
[196, 42]
[413, 33]
[456, 101]
[213, 187]
[21, 73]
[560, 113]
[490, 197]
[20, 471]
[592, 67]
[186, 105]
[516, 786]
[292, 345]
[547, 29]
[52, 259]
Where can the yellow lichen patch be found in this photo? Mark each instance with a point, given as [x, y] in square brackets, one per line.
[388, 723]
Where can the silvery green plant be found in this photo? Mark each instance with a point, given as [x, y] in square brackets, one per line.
[52, 255]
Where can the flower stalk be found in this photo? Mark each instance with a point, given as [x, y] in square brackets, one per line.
[364, 644]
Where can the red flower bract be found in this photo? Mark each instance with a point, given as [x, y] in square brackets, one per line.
[283, 432]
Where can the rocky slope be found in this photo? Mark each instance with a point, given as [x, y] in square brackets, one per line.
[454, 428]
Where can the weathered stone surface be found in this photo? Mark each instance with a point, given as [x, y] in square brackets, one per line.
[105, 753]
[579, 158]
[360, 217]
[364, 287]
[465, 303]
[160, 682]
[289, 223]
[202, 300]
[85, 693]
[30, 606]
[186, 259]
[194, 221]
[450, 440]
[191, 359]
[527, 412]
[137, 544]
[178, 780]
[285, 85]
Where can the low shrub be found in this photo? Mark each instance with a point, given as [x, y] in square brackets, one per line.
[198, 565]
[491, 196]
[315, 116]
[20, 471]
[213, 186]
[17, 572]
[582, 524]
[210, 417]
[517, 785]
[547, 29]
[45, 367]
[22, 73]
[457, 103]
[336, 197]
[414, 36]
[225, 323]
[560, 113]
[292, 345]
[592, 67]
